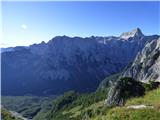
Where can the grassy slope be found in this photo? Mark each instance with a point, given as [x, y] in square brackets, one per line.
[133, 114]
[151, 98]
[91, 107]
[77, 109]
[97, 110]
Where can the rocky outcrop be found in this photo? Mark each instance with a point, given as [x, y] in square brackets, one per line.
[123, 89]
[108, 81]
[146, 66]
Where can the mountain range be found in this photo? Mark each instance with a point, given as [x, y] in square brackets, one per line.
[76, 63]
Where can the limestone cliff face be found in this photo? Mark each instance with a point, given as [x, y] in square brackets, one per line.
[146, 65]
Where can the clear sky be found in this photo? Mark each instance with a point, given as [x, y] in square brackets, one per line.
[25, 23]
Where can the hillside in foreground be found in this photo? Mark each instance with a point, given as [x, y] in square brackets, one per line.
[92, 106]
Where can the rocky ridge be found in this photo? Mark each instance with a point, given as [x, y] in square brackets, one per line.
[146, 66]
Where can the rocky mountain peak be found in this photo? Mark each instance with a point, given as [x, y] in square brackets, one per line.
[134, 33]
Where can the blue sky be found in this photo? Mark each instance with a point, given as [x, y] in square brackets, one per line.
[25, 23]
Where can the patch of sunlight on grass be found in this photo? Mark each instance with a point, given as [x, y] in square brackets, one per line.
[95, 105]
[122, 113]
[151, 98]
[74, 111]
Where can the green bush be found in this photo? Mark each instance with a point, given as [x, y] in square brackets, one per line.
[64, 100]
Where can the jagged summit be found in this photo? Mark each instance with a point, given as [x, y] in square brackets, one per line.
[134, 33]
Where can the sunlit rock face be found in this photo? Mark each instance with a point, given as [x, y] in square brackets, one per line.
[66, 63]
[134, 33]
[146, 65]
